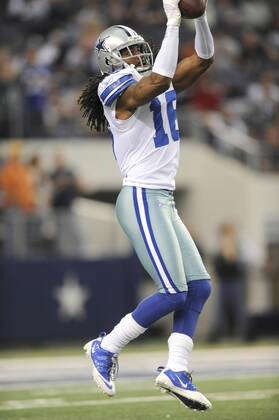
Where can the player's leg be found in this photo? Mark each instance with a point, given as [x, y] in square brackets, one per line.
[198, 281]
[175, 376]
[145, 216]
[157, 247]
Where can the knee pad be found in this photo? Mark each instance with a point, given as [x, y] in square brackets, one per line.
[198, 293]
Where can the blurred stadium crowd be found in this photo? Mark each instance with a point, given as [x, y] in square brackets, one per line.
[35, 206]
[46, 57]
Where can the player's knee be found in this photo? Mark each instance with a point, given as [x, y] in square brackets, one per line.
[203, 288]
[198, 293]
[177, 300]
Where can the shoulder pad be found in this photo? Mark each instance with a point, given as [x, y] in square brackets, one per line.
[114, 84]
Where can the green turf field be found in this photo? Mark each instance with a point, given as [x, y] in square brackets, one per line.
[239, 399]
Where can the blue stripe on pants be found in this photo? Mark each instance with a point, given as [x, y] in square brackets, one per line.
[154, 240]
[144, 237]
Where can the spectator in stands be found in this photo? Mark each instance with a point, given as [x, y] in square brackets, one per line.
[228, 132]
[208, 95]
[32, 14]
[40, 181]
[65, 189]
[35, 80]
[18, 202]
[228, 15]
[16, 182]
[26, 10]
[10, 97]
[264, 94]
[64, 182]
[231, 272]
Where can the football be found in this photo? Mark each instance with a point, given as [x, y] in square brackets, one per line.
[191, 9]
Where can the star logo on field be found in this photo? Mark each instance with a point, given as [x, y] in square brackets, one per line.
[71, 297]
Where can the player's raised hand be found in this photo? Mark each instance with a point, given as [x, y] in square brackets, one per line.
[172, 12]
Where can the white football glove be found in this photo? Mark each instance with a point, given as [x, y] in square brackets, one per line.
[172, 11]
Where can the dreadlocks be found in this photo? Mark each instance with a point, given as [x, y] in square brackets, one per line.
[91, 106]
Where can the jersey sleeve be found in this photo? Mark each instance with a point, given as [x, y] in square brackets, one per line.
[113, 86]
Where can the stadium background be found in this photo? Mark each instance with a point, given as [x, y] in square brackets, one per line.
[62, 252]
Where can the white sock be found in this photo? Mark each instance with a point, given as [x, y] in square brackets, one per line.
[180, 346]
[124, 332]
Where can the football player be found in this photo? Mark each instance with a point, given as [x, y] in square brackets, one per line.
[136, 100]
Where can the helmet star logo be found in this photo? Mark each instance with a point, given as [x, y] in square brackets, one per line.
[100, 46]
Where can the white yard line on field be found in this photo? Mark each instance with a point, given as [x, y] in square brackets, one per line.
[60, 403]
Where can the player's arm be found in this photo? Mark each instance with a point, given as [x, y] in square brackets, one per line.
[164, 67]
[144, 91]
[191, 68]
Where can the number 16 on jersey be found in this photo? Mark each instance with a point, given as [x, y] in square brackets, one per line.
[161, 138]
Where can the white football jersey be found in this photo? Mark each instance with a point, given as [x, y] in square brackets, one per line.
[146, 146]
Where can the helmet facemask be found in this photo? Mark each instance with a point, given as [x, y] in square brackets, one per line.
[143, 54]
